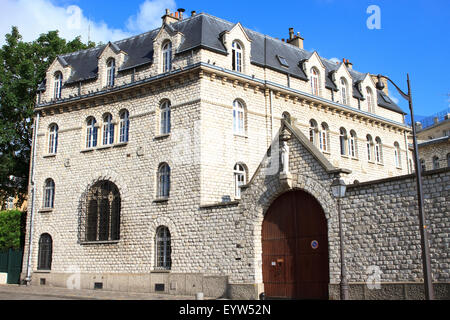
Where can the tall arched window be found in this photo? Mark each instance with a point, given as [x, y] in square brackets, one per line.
[353, 145]
[323, 137]
[53, 139]
[124, 127]
[370, 146]
[45, 252]
[344, 91]
[378, 150]
[57, 85]
[238, 118]
[315, 81]
[91, 133]
[163, 249]
[239, 179]
[103, 206]
[370, 100]
[313, 130]
[167, 57]
[343, 141]
[237, 56]
[163, 181]
[108, 129]
[435, 163]
[49, 194]
[110, 72]
[164, 117]
[397, 155]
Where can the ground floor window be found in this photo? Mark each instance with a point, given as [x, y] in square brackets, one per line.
[163, 249]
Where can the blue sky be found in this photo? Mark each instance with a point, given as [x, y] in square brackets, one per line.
[413, 37]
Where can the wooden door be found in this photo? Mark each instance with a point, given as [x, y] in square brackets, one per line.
[295, 248]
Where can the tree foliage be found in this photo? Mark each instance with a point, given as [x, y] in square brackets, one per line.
[22, 69]
[10, 230]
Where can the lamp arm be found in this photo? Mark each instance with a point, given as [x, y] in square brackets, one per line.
[404, 95]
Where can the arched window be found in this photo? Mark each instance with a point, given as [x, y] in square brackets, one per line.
[124, 127]
[91, 133]
[344, 91]
[353, 145]
[108, 129]
[167, 57]
[49, 194]
[164, 117]
[57, 85]
[237, 56]
[238, 118]
[163, 249]
[422, 165]
[163, 181]
[110, 72]
[239, 179]
[313, 130]
[315, 81]
[397, 155]
[370, 145]
[370, 100]
[45, 252]
[435, 163]
[448, 159]
[53, 139]
[378, 150]
[323, 137]
[103, 212]
[343, 141]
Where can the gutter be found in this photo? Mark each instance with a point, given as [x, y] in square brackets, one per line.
[33, 196]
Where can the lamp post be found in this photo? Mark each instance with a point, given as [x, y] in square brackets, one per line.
[428, 282]
[338, 188]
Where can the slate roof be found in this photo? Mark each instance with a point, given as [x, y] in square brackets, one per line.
[204, 31]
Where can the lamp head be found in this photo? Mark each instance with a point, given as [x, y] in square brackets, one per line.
[338, 188]
[380, 83]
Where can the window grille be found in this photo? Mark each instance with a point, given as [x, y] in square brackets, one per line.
[164, 181]
[100, 213]
[45, 252]
[163, 249]
[49, 194]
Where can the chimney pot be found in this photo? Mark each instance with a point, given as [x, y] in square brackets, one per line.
[176, 14]
[291, 33]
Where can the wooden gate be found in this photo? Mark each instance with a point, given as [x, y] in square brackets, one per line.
[295, 248]
[11, 263]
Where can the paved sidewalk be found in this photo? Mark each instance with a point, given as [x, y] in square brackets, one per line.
[16, 292]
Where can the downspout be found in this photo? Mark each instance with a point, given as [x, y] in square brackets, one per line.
[407, 153]
[33, 195]
[271, 116]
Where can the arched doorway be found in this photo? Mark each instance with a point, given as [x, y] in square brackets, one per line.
[295, 248]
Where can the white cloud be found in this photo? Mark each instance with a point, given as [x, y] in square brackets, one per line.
[393, 97]
[34, 17]
[149, 15]
[335, 60]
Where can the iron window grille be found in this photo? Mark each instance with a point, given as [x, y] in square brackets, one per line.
[100, 208]
[49, 194]
[163, 181]
[45, 252]
[163, 249]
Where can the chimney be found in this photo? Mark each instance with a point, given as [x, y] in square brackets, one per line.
[349, 64]
[193, 13]
[180, 13]
[169, 17]
[436, 120]
[418, 126]
[297, 40]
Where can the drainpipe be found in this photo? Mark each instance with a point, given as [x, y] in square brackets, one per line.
[407, 153]
[33, 195]
[271, 117]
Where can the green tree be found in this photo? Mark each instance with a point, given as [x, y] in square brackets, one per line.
[22, 69]
[10, 230]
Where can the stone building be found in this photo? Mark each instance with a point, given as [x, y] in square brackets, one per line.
[434, 141]
[162, 162]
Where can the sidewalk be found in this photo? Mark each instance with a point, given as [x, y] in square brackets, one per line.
[15, 292]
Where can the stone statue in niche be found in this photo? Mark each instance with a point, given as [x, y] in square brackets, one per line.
[285, 176]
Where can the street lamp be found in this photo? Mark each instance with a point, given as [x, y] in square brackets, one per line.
[338, 188]
[428, 282]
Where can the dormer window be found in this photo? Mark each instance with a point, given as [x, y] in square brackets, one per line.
[167, 57]
[344, 91]
[57, 85]
[315, 81]
[237, 56]
[110, 72]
